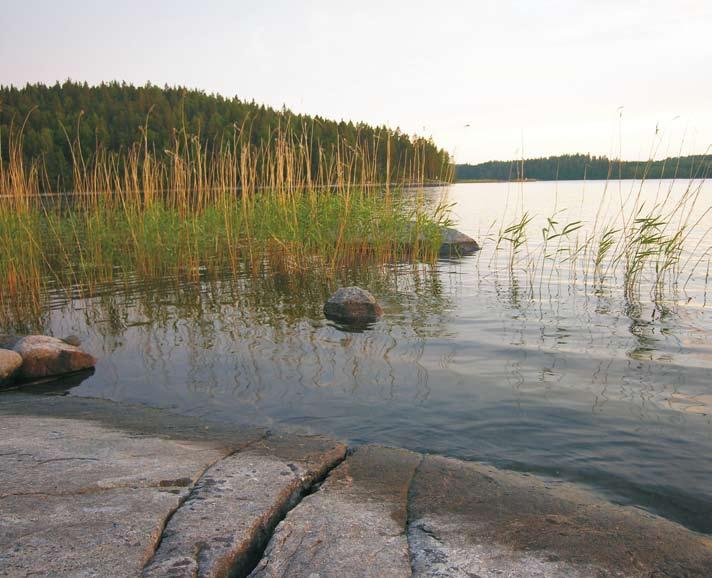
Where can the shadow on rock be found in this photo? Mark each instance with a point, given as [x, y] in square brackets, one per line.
[52, 385]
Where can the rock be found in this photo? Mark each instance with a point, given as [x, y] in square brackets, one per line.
[81, 499]
[70, 456]
[469, 519]
[72, 340]
[44, 356]
[133, 496]
[353, 526]
[455, 243]
[92, 534]
[352, 305]
[10, 362]
[235, 505]
[8, 340]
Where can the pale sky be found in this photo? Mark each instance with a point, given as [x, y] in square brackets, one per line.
[545, 76]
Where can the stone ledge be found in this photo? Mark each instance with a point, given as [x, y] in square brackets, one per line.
[90, 497]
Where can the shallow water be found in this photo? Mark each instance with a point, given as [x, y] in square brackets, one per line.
[520, 367]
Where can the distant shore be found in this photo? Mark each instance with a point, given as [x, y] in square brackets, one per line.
[485, 181]
[577, 167]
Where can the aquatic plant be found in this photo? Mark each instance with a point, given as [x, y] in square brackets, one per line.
[643, 247]
[179, 211]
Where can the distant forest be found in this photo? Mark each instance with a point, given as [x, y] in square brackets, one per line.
[579, 167]
[113, 116]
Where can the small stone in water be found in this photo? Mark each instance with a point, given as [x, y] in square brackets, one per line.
[352, 305]
[455, 243]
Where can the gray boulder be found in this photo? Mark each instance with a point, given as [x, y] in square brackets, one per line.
[352, 305]
[72, 340]
[455, 243]
[8, 340]
[10, 362]
[44, 356]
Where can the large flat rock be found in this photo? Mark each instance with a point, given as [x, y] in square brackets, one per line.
[468, 519]
[81, 499]
[353, 526]
[231, 512]
[109, 533]
[114, 490]
[44, 455]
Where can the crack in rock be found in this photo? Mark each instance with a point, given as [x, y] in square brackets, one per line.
[356, 521]
[227, 519]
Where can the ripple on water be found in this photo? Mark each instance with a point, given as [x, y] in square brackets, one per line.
[573, 383]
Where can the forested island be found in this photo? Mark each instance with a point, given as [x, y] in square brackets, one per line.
[115, 116]
[581, 167]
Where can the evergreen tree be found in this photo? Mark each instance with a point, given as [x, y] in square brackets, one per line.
[113, 115]
[580, 167]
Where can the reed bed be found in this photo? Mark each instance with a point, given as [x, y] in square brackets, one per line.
[648, 249]
[287, 207]
[178, 212]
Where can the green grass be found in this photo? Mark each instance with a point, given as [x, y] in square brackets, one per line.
[181, 211]
[79, 250]
[648, 246]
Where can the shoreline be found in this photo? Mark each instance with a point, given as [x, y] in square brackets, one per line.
[169, 481]
[590, 180]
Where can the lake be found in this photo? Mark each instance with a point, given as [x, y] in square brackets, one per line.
[515, 357]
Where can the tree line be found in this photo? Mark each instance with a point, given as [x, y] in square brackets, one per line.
[585, 167]
[59, 120]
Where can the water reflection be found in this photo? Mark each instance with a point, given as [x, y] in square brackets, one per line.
[471, 359]
[54, 386]
[253, 337]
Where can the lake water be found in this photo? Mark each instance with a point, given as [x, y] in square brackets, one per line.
[491, 357]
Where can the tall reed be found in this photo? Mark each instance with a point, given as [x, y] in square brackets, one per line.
[643, 246]
[232, 204]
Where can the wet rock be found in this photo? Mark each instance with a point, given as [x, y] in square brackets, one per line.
[468, 519]
[10, 362]
[44, 356]
[72, 340]
[453, 243]
[354, 525]
[352, 305]
[8, 340]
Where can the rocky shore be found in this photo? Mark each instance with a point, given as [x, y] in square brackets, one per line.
[36, 357]
[94, 488]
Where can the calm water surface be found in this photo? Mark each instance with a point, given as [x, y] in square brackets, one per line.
[527, 370]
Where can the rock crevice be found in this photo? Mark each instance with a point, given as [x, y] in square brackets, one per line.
[227, 519]
[184, 498]
[280, 506]
[353, 526]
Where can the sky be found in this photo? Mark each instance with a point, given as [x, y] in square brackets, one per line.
[485, 79]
